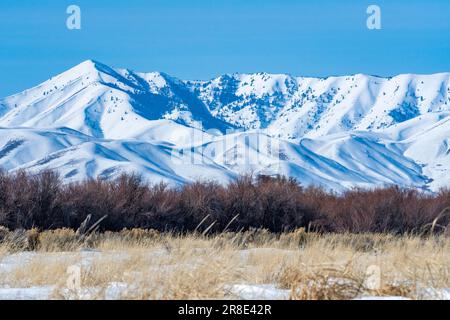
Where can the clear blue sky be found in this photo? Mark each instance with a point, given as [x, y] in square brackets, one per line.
[200, 39]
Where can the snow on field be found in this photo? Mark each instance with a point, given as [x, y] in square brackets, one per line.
[427, 293]
[33, 293]
[337, 132]
[382, 298]
[112, 292]
[116, 290]
[258, 292]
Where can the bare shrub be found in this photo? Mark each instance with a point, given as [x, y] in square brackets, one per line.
[277, 204]
[3, 233]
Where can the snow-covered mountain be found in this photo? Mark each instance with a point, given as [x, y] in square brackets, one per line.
[338, 132]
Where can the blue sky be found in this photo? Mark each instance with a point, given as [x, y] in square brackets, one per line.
[200, 39]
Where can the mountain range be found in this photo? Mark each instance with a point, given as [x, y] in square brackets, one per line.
[336, 132]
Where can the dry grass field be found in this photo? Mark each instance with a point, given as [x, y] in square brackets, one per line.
[256, 238]
[146, 264]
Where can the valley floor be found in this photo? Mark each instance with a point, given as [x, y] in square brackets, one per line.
[142, 264]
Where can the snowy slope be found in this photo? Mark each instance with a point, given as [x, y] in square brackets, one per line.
[77, 156]
[296, 107]
[337, 132]
[102, 102]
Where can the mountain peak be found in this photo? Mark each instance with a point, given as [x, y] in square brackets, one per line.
[91, 64]
[90, 67]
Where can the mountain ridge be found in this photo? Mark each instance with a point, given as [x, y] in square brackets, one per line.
[359, 124]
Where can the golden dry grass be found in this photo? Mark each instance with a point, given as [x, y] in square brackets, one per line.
[166, 266]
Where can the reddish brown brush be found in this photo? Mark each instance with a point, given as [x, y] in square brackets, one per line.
[277, 204]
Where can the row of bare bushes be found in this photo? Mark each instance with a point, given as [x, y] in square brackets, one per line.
[279, 204]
